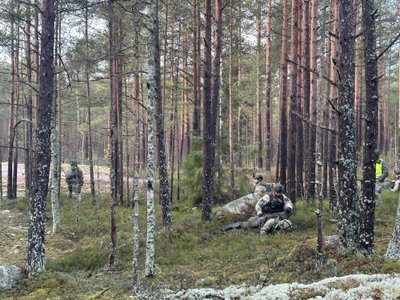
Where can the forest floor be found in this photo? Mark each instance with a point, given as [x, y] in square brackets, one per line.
[193, 258]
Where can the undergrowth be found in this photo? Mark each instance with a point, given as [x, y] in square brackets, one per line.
[191, 253]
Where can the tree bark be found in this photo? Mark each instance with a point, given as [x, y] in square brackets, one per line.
[367, 213]
[333, 94]
[258, 90]
[313, 156]
[29, 99]
[55, 182]
[113, 140]
[347, 167]
[283, 99]
[153, 73]
[208, 194]
[165, 194]
[89, 112]
[37, 215]
[196, 70]
[291, 180]
[268, 81]
[135, 260]
[230, 95]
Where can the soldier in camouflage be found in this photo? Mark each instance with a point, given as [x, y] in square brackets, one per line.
[259, 187]
[279, 207]
[74, 179]
[273, 211]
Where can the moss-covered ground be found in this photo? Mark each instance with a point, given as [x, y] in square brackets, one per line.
[190, 254]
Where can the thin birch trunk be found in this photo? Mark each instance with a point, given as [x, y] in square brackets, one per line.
[135, 260]
[152, 98]
[55, 187]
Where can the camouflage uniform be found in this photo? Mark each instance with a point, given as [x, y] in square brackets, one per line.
[74, 179]
[277, 208]
[273, 212]
[260, 189]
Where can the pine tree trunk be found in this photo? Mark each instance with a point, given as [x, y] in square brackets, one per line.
[300, 134]
[367, 213]
[164, 194]
[37, 217]
[89, 112]
[196, 72]
[258, 127]
[387, 134]
[332, 166]
[283, 99]
[313, 155]
[268, 81]
[185, 146]
[208, 194]
[381, 129]
[231, 113]
[347, 167]
[12, 112]
[113, 138]
[358, 85]
[291, 179]
[308, 155]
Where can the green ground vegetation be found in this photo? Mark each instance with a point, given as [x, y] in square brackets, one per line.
[190, 254]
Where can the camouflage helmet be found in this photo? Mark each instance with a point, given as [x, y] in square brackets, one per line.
[285, 224]
[257, 176]
[73, 163]
[278, 188]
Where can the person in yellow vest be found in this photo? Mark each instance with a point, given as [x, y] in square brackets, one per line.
[381, 172]
[380, 168]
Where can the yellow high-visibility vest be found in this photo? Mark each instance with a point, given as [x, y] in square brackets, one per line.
[378, 168]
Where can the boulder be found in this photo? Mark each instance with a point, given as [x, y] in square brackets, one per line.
[9, 274]
[238, 209]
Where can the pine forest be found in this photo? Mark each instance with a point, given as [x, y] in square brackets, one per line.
[212, 149]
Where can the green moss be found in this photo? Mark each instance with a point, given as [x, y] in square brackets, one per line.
[43, 293]
[80, 259]
[391, 266]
